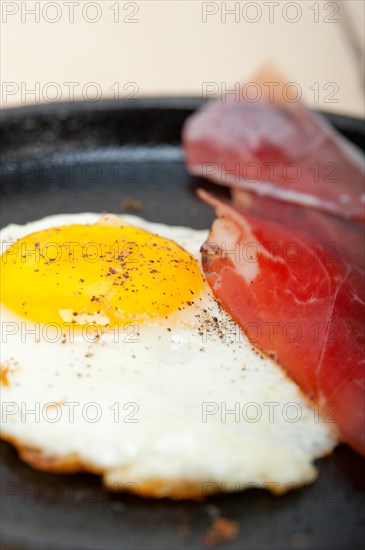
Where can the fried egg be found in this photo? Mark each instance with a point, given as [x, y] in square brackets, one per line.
[117, 359]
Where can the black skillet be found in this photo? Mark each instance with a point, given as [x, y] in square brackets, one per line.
[83, 157]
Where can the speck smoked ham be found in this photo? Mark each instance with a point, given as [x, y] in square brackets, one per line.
[297, 299]
[282, 151]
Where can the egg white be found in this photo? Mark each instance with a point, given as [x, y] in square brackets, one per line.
[161, 395]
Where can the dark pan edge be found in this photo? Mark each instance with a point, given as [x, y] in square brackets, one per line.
[340, 121]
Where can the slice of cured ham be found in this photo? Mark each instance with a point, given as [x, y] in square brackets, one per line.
[280, 150]
[340, 237]
[295, 299]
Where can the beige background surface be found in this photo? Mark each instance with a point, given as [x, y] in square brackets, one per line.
[151, 48]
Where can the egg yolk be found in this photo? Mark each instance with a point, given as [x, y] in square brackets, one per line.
[97, 274]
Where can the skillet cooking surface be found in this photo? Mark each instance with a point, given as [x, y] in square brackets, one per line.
[79, 158]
